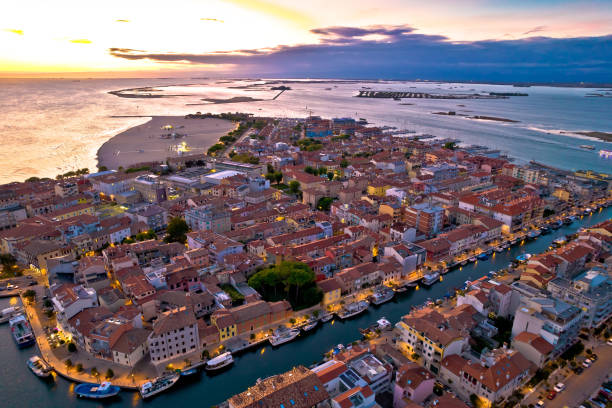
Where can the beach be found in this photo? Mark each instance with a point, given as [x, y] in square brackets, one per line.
[160, 138]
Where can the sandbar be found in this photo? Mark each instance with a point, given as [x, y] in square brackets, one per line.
[145, 143]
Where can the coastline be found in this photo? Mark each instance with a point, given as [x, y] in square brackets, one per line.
[144, 142]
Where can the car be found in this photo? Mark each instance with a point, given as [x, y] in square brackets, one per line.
[551, 395]
[540, 404]
[609, 342]
[559, 387]
[587, 363]
[32, 283]
[594, 357]
[10, 286]
[578, 370]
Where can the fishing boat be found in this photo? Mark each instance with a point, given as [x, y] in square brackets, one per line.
[401, 288]
[96, 391]
[21, 331]
[283, 335]
[326, 317]
[382, 295]
[160, 384]
[353, 309]
[310, 324]
[482, 257]
[219, 362]
[39, 367]
[430, 278]
[587, 147]
[9, 312]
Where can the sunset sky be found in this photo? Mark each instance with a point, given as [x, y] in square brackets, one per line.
[291, 37]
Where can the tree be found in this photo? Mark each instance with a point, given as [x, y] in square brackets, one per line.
[79, 367]
[450, 145]
[294, 187]
[72, 347]
[205, 354]
[177, 228]
[109, 374]
[102, 168]
[299, 278]
[278, 177]
[310, 170]
[68, 364]
[94, 372]
[344, 164]
[30, 295]
[324, 203]
[7, 261]
[330, 175]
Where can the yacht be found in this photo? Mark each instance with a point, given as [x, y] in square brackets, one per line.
[219, 362]
[9, 312]
[382, 295]
[160, 384]
[482, 257]
[353, 309]
[96, 391]
[21, 331]
[39, 367]
[499, 249]
[284, 335]
[384, 324]
[430, 278]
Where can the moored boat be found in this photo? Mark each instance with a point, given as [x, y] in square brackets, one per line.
[464, 262]
[382, 295]
[39, 367]
[283, 335]
[430, 278]
[482, 257]
[326, 317]
[160, 384]
[384, 324]
[9, 312]
[96, 391]
[21, 331]
[472, 259]
[189, 371]
[353, 309]
[499, 249]
[310, 324]
[217, 363]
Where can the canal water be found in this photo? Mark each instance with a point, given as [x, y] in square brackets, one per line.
[20, 388]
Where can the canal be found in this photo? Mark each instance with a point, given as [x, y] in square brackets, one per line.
[20, 388]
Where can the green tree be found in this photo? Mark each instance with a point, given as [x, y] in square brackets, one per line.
[7, 261]
[310, 170]
[79, 367]
[94, 372]
[324, 203]
[109, 374]
[68, 364]
[330, 175]
[102, 168]
[177, 228]
[344, 164]
[278, 177]
[450, 145]
[30, 295]
[294, 187]
[72, 347]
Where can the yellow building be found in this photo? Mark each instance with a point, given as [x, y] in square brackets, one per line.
[331, 291]
[562, 194]
[378, 188]
[224, 321]
[74, 211]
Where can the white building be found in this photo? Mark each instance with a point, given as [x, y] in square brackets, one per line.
[175, 334]
[69, 299]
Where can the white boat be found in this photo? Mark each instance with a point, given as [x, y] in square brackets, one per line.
[430, 278]
[22, 331]
[217, 363]
[282, 336]
[9, 312]
[588, 147]
[311, 324]
[499, 249]
[160, 384]
[353, 309]
[39, 367]
[472, 259]
[384, 324]
[382, 295]
[326, 317]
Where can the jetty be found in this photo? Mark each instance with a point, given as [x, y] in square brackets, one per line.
[422, 95]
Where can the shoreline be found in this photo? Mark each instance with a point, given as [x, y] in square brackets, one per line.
[144, 143]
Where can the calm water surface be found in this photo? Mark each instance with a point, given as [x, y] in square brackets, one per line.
[19, 388]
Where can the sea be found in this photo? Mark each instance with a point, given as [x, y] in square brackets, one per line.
[51, 126]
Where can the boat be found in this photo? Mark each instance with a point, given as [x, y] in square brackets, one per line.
[217, 363]
[96, 391]
[401, 288]
[545, 230]
[382, 295]
[326, 317]
[283, 335]
[430, 278]
[9, 312]
[21, 331]
[499, 249]
[185, 372]
[472, 259]
[559, 241]
[523, 258]
[556, 225]
[310, 324]
[588, 147]
[533, 234]
[567, 221]
[353, 309]
[482, 257]
[464, 262]
[384, 324]
[160, 384]
[39, 367]
[489, 251]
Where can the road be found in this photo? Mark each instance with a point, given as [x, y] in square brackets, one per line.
[578, 387]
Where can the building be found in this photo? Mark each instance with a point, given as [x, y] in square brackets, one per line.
[554, 320]
[331, 289]
[357, 397]
[296, 388]
[154, 216]
[208, 218]
[590, 291]
[533, 347]
[427, 218]
[69, 300]
[150, 188]
[175, 334]
[412, 383]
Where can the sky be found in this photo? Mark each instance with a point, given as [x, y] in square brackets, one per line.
[514, 40]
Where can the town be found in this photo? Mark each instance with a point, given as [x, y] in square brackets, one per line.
[133, 278]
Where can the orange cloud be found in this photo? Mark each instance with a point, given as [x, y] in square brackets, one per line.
[80, 41]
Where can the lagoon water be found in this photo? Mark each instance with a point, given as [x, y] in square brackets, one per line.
[19, 388]
[50, 126]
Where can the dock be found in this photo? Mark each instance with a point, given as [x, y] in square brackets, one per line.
[422, 95]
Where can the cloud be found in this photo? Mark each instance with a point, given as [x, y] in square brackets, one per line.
[122, 21]
[14, 31]
[535, 30]
[80, 41]
[212, 19]
[398, 52]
